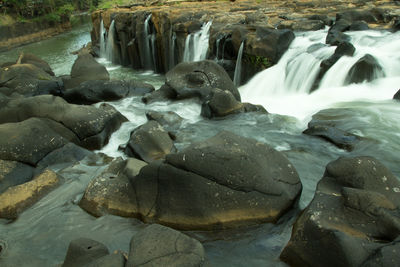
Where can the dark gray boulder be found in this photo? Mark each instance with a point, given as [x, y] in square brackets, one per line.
[83, 251]
[149, 142]
[169, 120]
[165, 93]
[28, 141]
[90, 92]
[365, 69]
[157, 245]
[27, 58]
[91, 127]
[354, 215]
[196, 79]
[225, 181]
[359, 26]
[14, 173]
[86, 68]
[335, 34]
[397, 95]
[117, 259]
[386, 255]
[221, 103]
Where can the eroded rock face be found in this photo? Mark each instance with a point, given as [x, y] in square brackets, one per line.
[17, 198]
[191, 79]
[222, 182]
[90, 92]
[365, 69]
[352, 219]
[111, 192]
[86, 68]
[87, 126]
[13, 173]
[157, 245]
[149, 142]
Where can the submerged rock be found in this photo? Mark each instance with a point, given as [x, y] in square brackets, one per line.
[14, 173]
[222, 182]
[157, 245]
[353, 217]
[18, 198]
[90, 92]
[149, 142]
[365, 69]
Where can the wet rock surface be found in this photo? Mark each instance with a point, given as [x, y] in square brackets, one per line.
[230, 180]
[353, 218]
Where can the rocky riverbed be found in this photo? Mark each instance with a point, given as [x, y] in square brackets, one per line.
[106, 172]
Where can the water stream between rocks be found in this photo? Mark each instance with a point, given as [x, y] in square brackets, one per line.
[40, 236]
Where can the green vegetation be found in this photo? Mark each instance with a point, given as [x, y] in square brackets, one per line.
[42, 10]
[259, 61]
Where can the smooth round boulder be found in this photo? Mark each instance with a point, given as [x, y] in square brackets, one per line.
[157, 245]
[83, 251]
[86, 68]
[91, 92]
[27, 58]
[225, 181]
[365, 69]
[196, 79]
[353, 216]
[222, 103]
[149, 142]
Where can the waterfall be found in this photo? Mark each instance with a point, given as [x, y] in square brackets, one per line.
[110, 50]
[172, 50]
[284, 88]
[196, 44]
[148, 59]
[238, 68]
[102, 40]
[217, 43]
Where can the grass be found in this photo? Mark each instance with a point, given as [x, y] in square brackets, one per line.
[6, 20]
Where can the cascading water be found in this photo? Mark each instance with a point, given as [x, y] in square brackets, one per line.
[172, 45]
[196, 44]
[102, 40]
[110, 45]
[238, 68]
[284, 88]
[148, 59]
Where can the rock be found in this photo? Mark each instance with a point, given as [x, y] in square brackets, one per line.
[66, 155]
[396, 25]
[86, 68]
[302, 25]
[365, 69]
[397, 95]
[22, 75]
[84, 251]
[196, 79]
[248, 107]
[165, 93]
[111, 192]
[113, 260]
[343, 49]
[353, 216]
[87, 126]
[385, 256]
[225, 181]
[359, 26]
[169, 120]
[90, 92]
[149, 142]
[18, 198]
[28, 141]
[158, 245]
[14, 173]
[222, 103]
[27, 58]
[327, 20]
[357, 15]
[335, 34]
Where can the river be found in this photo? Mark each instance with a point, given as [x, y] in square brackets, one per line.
[41, 235]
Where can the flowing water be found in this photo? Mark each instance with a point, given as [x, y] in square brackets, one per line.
[238, 67]
[196, 44]
[42, 233]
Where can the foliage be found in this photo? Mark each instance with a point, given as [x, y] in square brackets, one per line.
[259, 61]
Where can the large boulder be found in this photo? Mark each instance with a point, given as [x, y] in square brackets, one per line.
[111, 191]
[191, 79]
[86, 68]
[13, 173]
[83, 251]
[90, 126]
[397, 95]
[149, 142]
[157, 245]
[221, 103]
[90, 92]
[335, 34]
[27, 58]
[29, 141]
[18, 198]
[353, 217]
[225, 181]
[365, 69]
